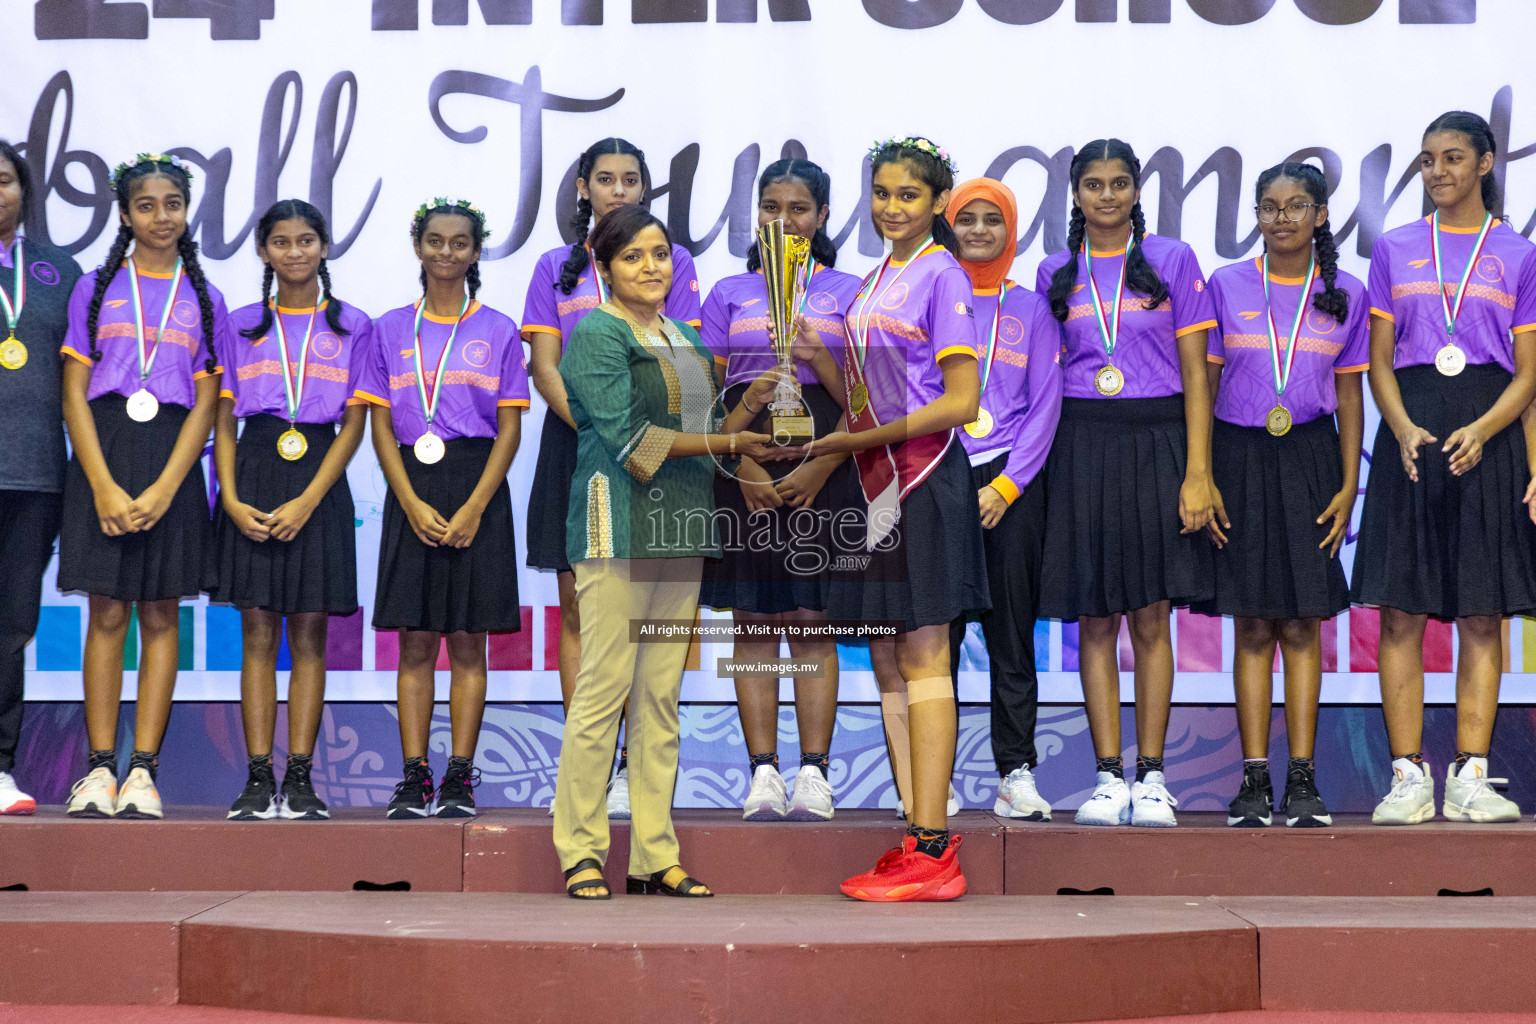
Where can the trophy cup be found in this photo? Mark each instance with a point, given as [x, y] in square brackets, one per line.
[786, 260]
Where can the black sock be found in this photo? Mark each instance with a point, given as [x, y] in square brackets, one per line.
[459, 766]
[1113, 765]
[417, 766]
[1255, 764]
[623, 759]
[259, 764]
[102, 759]
[1147, 764]
[304, 761]
[149, 760]
[818, 761]
[932, 841]
[1416, 757]
[756, 761]
[1463, 755]
[1299, 764]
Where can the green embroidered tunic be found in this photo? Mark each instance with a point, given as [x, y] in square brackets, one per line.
[630, 392]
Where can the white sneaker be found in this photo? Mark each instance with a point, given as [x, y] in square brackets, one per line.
[1151, 803]
[813, 796]
[1411, 799]
[1470, 796]
[13, 800]
[618, 795]
[951, 806]
[94, 796]
[139, 798]
[768, 800]
[1017, 797]
[1110, 803]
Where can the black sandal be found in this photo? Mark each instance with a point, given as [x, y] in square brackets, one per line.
[687, 887]
[572, 889]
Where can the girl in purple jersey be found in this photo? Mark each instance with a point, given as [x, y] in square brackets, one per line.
[284, 542]
[777, 518]
[1128, 477]
[1291, 344]
[611, 174]
[448, 386]
[1442, 535]
[910, 381]
[141, 380]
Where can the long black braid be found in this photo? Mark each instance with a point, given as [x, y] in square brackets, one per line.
[104, 275]
[294, 209]
[819, 184]
[581, 220]
[1332, 300]
[187, 248]
[1140, 276]
[477, 231]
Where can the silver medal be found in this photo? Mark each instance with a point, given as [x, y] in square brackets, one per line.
[142, 406]
[429, 448]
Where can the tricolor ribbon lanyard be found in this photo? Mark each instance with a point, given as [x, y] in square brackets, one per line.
[597, 279]
[982, 425]
[1278, 421]
[292, 444]
[142, 406]
[1451, 359]
[858, 339]
[13, 354]
[1108, 380]
[429, 447]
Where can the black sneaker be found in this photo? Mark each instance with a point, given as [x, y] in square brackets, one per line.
[1254, 805]
[1303, 805]
[299, 799]
[413, 796]
[456, 798]
[258, 801]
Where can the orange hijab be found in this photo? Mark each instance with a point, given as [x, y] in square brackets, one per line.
[991, 274]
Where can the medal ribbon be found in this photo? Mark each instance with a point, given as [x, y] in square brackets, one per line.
[997, 322]
[19, 289]
[429, 404]
[1109, 329]
[147, 354]
[293, 389]
[1282, 373]
[859, 339]
[597, 279]
[1452, 312]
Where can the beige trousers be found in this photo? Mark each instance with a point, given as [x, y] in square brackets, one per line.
[610, 592]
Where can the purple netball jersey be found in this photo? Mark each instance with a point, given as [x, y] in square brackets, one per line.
[1241, 342]
[549, 310]
[486, 369]
[253, 369]
[1146, 348]
[735, 325]
[182, 356]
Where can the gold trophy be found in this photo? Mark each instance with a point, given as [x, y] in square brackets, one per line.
[786, 260]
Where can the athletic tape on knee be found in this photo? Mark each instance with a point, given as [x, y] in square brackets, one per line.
[932, 688]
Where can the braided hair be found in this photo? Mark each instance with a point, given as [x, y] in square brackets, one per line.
[1480, 134]
[581, 220]
[123, 182]
[930, 165]
[1140, 277]
[294, 209]
[1332, 300]
[819, 184]
[457, 208]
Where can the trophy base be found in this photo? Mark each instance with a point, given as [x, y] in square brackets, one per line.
[791, 430]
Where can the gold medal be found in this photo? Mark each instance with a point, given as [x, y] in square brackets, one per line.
[1278, 422]
[982, 426]
[1109, 381]
[859, 400]
[13, 354]
[1450, 360]
[292, 445]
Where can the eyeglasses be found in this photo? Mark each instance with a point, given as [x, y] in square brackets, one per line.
[1268, 214]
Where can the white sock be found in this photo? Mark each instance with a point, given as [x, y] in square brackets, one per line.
[1475, 768]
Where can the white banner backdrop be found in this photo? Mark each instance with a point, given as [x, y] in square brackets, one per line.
[368, 107]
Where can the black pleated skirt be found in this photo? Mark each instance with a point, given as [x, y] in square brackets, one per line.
[314, 572]
[930, 570]
[169, 560]
[551, 496]
[1274, 488]
[442, 589]
[1448, 546]
[1112, 511]
[769, 564]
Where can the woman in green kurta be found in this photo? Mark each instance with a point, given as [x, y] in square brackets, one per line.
[650, 434]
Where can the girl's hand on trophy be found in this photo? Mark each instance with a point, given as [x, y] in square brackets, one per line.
[760, 391]
[807, 344]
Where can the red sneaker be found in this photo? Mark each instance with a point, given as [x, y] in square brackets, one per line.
[904, 875]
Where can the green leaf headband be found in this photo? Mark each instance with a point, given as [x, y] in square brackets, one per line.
[150, 158]
[468, 208]
[919, 143]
